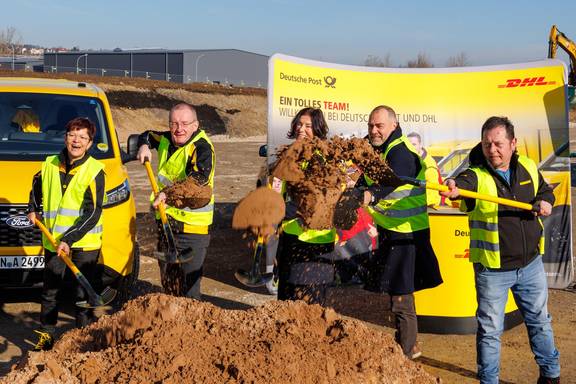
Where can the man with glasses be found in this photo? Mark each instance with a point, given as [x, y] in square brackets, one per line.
[69, 190]
[184, 151]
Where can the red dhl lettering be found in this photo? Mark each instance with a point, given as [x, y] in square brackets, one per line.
[526, 82]
[466, 255]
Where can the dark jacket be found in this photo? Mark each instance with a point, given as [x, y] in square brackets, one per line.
[519, 230]
[91, 206]
[404, 262]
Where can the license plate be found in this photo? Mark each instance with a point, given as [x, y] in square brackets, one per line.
[21, 262]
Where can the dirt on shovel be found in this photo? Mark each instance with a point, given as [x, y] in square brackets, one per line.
[188, 193]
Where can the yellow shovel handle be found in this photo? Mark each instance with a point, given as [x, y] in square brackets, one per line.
[481, 196]
[152, 178]
[61, 254]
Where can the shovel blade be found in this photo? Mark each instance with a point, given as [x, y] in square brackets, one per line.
[102, 300]
[252, 280]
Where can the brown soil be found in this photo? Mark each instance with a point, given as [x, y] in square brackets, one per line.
[318, 187]
[259, 211]
[160, 338]
[188, 193]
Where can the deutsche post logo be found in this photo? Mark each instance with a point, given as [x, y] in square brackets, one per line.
[526, 82]
[330, 81]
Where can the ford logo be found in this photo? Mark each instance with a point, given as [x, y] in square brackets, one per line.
[19, 222]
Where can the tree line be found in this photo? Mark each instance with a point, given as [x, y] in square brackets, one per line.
[422, 60]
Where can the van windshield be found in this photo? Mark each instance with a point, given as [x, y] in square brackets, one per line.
[33, 125]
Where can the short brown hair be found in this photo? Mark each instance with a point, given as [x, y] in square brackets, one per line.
[80, 123]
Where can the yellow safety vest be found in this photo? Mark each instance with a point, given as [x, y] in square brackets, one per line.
[431, 174]
[173, 169]
[62, 211]
[314, 236]
[483, 219]
[404, 209]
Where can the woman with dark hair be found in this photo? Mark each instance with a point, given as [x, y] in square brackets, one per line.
[302, 273]
[308, 122]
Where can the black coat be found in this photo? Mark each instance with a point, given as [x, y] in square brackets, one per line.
[519, 230]
[403, 262]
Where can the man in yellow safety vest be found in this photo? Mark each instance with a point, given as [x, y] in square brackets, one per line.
[404, 261]
[506, 247]
[183, 151]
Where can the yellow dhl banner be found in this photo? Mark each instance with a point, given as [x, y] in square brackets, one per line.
[447, 107]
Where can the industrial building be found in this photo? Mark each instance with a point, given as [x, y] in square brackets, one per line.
[221, 66]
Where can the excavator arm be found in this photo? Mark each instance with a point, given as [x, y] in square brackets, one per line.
[558, 39]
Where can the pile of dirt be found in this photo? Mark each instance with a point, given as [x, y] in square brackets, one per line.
[160, 338]
[188, 193]
[318, 171]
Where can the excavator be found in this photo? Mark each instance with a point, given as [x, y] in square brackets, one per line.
[559, 39]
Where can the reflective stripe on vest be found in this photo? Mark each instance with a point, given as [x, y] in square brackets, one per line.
[315, 236]
[174, 169]
[483, 219]
[404, 209]
[61, 212]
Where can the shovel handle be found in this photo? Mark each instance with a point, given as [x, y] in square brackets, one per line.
[161, 208]
[69, 263]
[469, 194]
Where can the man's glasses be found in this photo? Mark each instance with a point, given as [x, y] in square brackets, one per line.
[73, 136]
[176, 124]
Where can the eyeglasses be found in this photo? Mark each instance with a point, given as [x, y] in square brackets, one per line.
[175, 124]
[73, 136]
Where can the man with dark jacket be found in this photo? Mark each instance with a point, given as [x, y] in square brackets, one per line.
[404, 261]
[184, 151]
[506, 247]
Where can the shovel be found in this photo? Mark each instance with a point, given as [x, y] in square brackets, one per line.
[94, 300]
[470, 194]
[254, 278]
[171, 256]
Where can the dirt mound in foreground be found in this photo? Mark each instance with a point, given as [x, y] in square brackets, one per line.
[160, 338]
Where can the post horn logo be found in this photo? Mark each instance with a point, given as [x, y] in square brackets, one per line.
[330, 81]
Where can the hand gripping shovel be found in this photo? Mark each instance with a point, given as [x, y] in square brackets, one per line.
[470, 194]
[94, 300]
[171, 256]
[254, 278]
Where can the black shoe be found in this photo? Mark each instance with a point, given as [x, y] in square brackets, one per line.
[45, 341]
[548, 380]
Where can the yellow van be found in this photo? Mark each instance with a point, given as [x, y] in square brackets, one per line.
[33, 115]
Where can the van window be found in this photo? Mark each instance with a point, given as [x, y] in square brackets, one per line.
[32, 125]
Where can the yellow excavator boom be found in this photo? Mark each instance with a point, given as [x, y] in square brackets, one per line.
[559, 39]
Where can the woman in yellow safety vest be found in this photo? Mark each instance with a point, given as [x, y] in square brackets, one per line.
[302, 273]
[69, 191]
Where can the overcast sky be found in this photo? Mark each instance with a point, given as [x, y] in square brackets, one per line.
[347, 32]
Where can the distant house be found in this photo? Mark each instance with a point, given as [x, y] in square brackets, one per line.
[222, 66]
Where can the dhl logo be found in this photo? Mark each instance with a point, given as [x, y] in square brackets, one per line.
[526, 82]
[466, 255]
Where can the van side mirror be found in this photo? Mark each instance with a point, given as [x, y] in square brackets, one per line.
[263, 151]
[132, 147]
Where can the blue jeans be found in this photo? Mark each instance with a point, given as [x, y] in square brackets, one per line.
[530, 290]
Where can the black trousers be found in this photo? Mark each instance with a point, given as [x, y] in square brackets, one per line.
[302, 273]
[53, 277]
[184, 279]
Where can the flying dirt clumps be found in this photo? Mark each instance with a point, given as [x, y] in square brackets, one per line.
[159, 338]
[188, 193]
[318, 171]
[259, 211]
